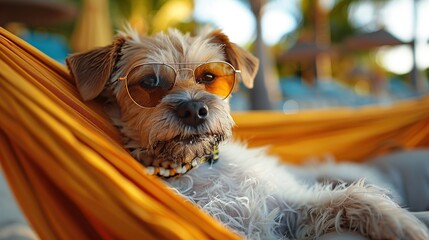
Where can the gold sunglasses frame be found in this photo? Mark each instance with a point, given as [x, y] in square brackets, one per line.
[176, 73]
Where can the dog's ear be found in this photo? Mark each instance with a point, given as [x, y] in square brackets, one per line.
[238, 57]
[92, 69]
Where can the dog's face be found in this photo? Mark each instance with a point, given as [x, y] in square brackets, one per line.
[171, 90]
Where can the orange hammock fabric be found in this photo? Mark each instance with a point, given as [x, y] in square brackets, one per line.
[64, 164]
[344, 133]
[73, 180]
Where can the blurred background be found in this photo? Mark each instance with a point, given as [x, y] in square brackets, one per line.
[314, 54]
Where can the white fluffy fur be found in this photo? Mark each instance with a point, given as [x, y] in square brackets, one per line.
[256, 196]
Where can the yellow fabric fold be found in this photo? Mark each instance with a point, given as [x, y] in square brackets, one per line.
[346, 134]
[66, 167]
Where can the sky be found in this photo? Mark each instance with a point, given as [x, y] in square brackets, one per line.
[237, 21]
[280, 18]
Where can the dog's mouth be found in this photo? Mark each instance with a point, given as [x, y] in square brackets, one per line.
[180, 154]
[191, 140]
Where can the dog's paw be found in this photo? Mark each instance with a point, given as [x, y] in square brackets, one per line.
[364, 209]
[380, 217]
[407, 225]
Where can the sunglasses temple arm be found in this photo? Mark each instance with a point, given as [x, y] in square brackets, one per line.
[238, 76]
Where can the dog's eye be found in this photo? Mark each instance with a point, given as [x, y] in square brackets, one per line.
[149, 81]
[206, 77]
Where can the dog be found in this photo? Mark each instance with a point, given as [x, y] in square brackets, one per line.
[168, 95]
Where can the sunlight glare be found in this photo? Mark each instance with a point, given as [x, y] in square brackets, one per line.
[276, 22]
[235, 19]
[397, 59]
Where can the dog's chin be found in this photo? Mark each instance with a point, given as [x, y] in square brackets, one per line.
[180, 154]
[184, 149]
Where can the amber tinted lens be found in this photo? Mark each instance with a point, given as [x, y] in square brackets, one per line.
[218, 78]
[147, 84]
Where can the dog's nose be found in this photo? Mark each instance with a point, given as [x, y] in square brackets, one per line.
[192, 113]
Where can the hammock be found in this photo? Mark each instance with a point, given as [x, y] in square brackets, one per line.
[346, 134]
[73, 180]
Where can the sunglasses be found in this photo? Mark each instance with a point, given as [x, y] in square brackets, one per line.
[148, 83]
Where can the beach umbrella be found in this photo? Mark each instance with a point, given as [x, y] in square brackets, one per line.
[303, 51]
[369, 40]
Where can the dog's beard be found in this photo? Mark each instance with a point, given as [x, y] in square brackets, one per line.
[178, 155]
[185, 149]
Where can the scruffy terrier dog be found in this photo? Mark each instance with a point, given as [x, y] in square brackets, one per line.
[168, 95]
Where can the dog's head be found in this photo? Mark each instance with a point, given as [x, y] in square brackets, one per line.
[171, 90]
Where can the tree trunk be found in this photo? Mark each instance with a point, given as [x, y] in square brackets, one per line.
[259, 99]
